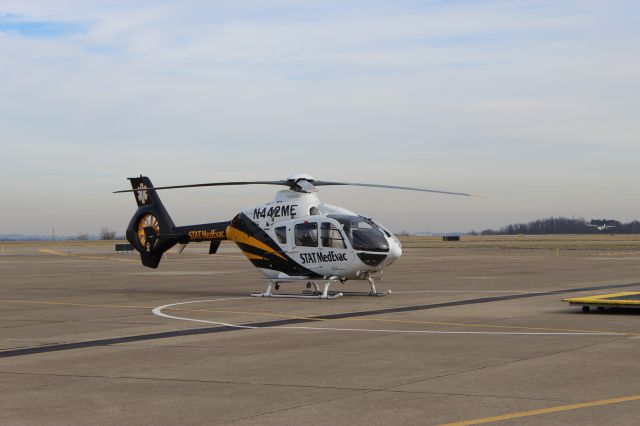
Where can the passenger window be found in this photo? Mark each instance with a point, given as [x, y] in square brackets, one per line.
[331, 236]
[281, 234]
[306, 234]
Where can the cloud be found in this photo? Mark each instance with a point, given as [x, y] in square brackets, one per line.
[524, 101]
[14, 24]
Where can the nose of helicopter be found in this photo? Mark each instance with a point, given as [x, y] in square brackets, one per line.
[395, 251]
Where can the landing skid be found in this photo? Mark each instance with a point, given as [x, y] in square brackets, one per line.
[324, 294]
[317, 293]
[355, 293]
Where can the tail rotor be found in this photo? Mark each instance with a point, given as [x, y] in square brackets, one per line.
[151, 230]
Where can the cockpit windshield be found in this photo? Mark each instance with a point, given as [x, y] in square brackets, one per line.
[363, 233]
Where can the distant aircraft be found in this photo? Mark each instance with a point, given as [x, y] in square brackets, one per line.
[600, 226]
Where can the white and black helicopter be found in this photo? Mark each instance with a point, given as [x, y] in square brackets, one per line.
[600, 225]
[294, 238]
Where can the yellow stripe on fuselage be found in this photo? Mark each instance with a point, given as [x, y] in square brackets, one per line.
[252, 256]
[238, 236]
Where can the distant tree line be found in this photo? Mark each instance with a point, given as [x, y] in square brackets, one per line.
[564, 225]
[107, 234]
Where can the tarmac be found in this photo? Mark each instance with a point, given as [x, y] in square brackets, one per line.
[470, 335]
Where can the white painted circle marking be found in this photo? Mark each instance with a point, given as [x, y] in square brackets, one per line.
[158, 311]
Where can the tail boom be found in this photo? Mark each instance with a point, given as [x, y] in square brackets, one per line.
[152, 232]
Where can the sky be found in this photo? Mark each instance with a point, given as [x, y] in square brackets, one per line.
[533, 104]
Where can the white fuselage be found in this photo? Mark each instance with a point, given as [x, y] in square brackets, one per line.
[328, 240]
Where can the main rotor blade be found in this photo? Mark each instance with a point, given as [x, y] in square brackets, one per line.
[407, 188]
[306, 186]
[197, 185]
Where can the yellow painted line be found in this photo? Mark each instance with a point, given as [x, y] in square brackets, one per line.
[302, 317]
[83, 256]
[86, 256]
[81, 305]
[516, 327]
[262, 314]
[545, 411]
[88, 305]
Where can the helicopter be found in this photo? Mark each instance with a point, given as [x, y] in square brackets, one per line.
[294, 238]
[600, 225]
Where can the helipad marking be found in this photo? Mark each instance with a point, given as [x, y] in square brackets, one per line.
[280, 322]
[159, 309]
[296, 317]
[89, 305]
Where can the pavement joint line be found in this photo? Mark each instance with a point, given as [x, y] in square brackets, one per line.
[375, 389]
[42, 385]
[285, 322]
[307, 404]
[541, 411]
[173, 379]
[499, 364]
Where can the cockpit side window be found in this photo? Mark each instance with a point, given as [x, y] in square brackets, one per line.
[363, 234]
[281, 234]
[330, 236]
[306, 234]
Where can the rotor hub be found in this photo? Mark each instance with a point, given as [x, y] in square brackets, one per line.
[300, 176]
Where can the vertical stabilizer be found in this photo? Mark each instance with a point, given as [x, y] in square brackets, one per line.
[151, 230]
